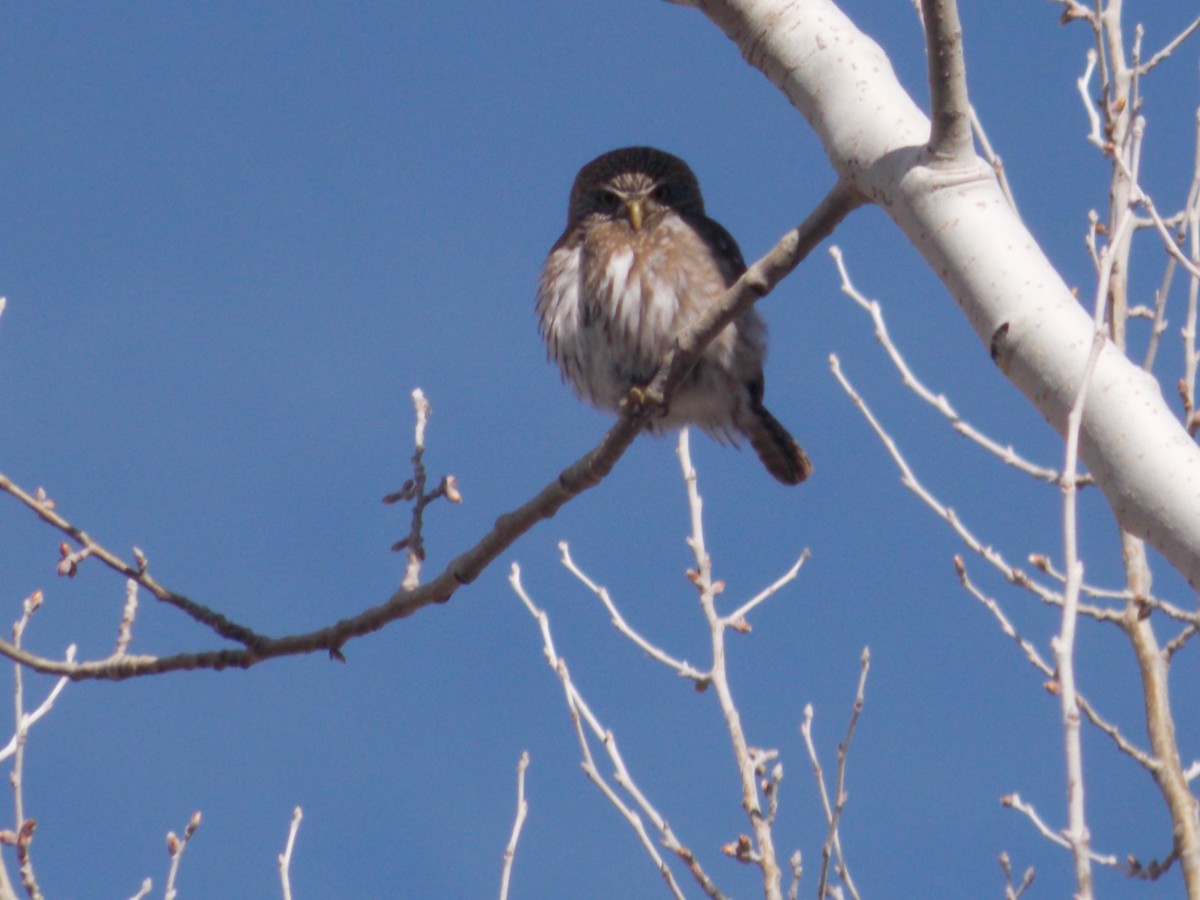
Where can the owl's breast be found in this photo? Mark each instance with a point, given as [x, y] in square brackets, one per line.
[643, 287]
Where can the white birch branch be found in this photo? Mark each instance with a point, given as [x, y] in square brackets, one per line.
[957, 217]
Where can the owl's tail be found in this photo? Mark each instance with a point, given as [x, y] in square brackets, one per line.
[778, 450]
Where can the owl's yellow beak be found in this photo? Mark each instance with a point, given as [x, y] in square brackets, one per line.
[636, 213]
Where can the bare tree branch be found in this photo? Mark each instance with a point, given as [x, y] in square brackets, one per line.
[1170, 48]
[1035, 659]
[950, 134]
[285, 858]
[1014, 801]
[414, 490]
[1078, 835]
[682, 667]
[175, 847]
[833, 809]
[909, 479]
[510, 852]
[1011, 891]
[585, 721]
[938, 401]
[758, 280]
[762, 852]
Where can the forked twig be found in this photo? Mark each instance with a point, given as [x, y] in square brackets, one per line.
[586, 722]
[938, 401]
[175, 847]
[833, 809]
[414, 490]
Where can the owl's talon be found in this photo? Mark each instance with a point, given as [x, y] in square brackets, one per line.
[634, 402]
[640, 401]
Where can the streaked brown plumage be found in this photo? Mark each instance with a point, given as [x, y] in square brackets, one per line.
[638, 261]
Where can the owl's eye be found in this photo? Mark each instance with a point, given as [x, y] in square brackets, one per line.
[607, 201]
[663, 193]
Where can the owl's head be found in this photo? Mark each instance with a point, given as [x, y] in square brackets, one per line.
[637, 185]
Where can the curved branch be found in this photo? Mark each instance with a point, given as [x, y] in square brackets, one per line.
[44, 508]
[586, 473]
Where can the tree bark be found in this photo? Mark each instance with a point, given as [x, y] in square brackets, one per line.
[955, 214]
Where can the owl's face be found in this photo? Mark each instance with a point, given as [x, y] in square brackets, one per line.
[636, 187]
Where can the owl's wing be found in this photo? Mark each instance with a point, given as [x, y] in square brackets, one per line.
[724, 248]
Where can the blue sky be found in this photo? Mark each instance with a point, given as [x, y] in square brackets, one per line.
[236, 236]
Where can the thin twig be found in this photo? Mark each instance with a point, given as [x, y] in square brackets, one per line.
[843, 755]
[510, 852]
[1178, 642]
[752, 763]
[1170, 48]
[1035, 659]
[128, 614]
[45, 509]
[414, 490]
[681, 667]
[993, 159]
[285, 858]
[1158, 315]
[797, 863]
[1011, 891]
[938, 401]
[762, 853]
[832, 841]
[175, 847]
[1014, 801]
[24, 826]
[584, 722]
[1187, 384]
[1094, 134]
[737, 618]
[29, 719]
[1125, 595]
[993, 557]
[1016, 576]
[1077, 834]
[833, 809]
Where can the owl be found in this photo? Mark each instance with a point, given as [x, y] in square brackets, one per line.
[638, 262]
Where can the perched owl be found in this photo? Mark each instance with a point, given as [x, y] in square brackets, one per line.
[638, 262]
